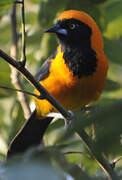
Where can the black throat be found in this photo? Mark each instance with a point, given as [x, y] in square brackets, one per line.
[76, 46]
[81, 60]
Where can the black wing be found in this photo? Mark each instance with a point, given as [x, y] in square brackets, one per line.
[44, 71]
[45, 68]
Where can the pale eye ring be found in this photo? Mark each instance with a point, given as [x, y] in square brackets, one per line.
[72, 26]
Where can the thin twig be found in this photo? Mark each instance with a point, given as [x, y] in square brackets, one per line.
[23, 99]
[22, 91]
[72, 152]
[77, 152]
[18, 2]
[23, 56]
[115, 161]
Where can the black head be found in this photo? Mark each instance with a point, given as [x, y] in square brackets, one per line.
[75, 39]
[71, 32]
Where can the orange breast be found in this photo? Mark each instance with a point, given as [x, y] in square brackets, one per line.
[72, 92]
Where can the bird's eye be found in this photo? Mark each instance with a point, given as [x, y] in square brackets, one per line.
[72, 26]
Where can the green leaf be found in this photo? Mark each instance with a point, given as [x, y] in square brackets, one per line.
[5, 79]
[89, 163]
[111, 85]
[113, 50]
[113, 19]
[107, 127]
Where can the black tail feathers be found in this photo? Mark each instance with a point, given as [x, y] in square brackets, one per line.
[30, 134]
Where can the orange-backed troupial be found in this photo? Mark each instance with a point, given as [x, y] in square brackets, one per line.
[75, 74]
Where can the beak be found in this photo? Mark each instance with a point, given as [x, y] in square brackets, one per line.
[57, 29]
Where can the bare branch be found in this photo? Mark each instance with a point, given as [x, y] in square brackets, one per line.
[73, 152]
[115, 161]
[23, 56]
[14, 73]
[18, 2]
[22, 91]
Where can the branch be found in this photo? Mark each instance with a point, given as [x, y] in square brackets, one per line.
[19, 66]
[104, 164]
[23, 56]
[22, 91]
[72, 152]
[115, 161]
[23, 99]
[18, 2]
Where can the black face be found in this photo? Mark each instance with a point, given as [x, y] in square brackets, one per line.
[76, 45]
[78, 33]
[75, 39]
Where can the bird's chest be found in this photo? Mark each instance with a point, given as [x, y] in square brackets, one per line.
[69, 89]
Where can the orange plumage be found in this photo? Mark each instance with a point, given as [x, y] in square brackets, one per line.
[75, 87]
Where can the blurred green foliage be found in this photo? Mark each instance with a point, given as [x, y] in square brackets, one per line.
[103, 124]
[5, 4]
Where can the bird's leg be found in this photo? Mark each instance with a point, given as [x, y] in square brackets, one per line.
[68, 121]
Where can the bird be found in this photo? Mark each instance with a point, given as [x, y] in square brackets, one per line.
[75, 74]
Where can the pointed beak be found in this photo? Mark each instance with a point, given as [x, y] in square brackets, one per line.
[57, 29]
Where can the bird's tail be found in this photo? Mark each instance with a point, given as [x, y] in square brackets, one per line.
[30, 134]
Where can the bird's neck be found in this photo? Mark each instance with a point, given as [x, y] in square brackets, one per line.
[80, 59]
